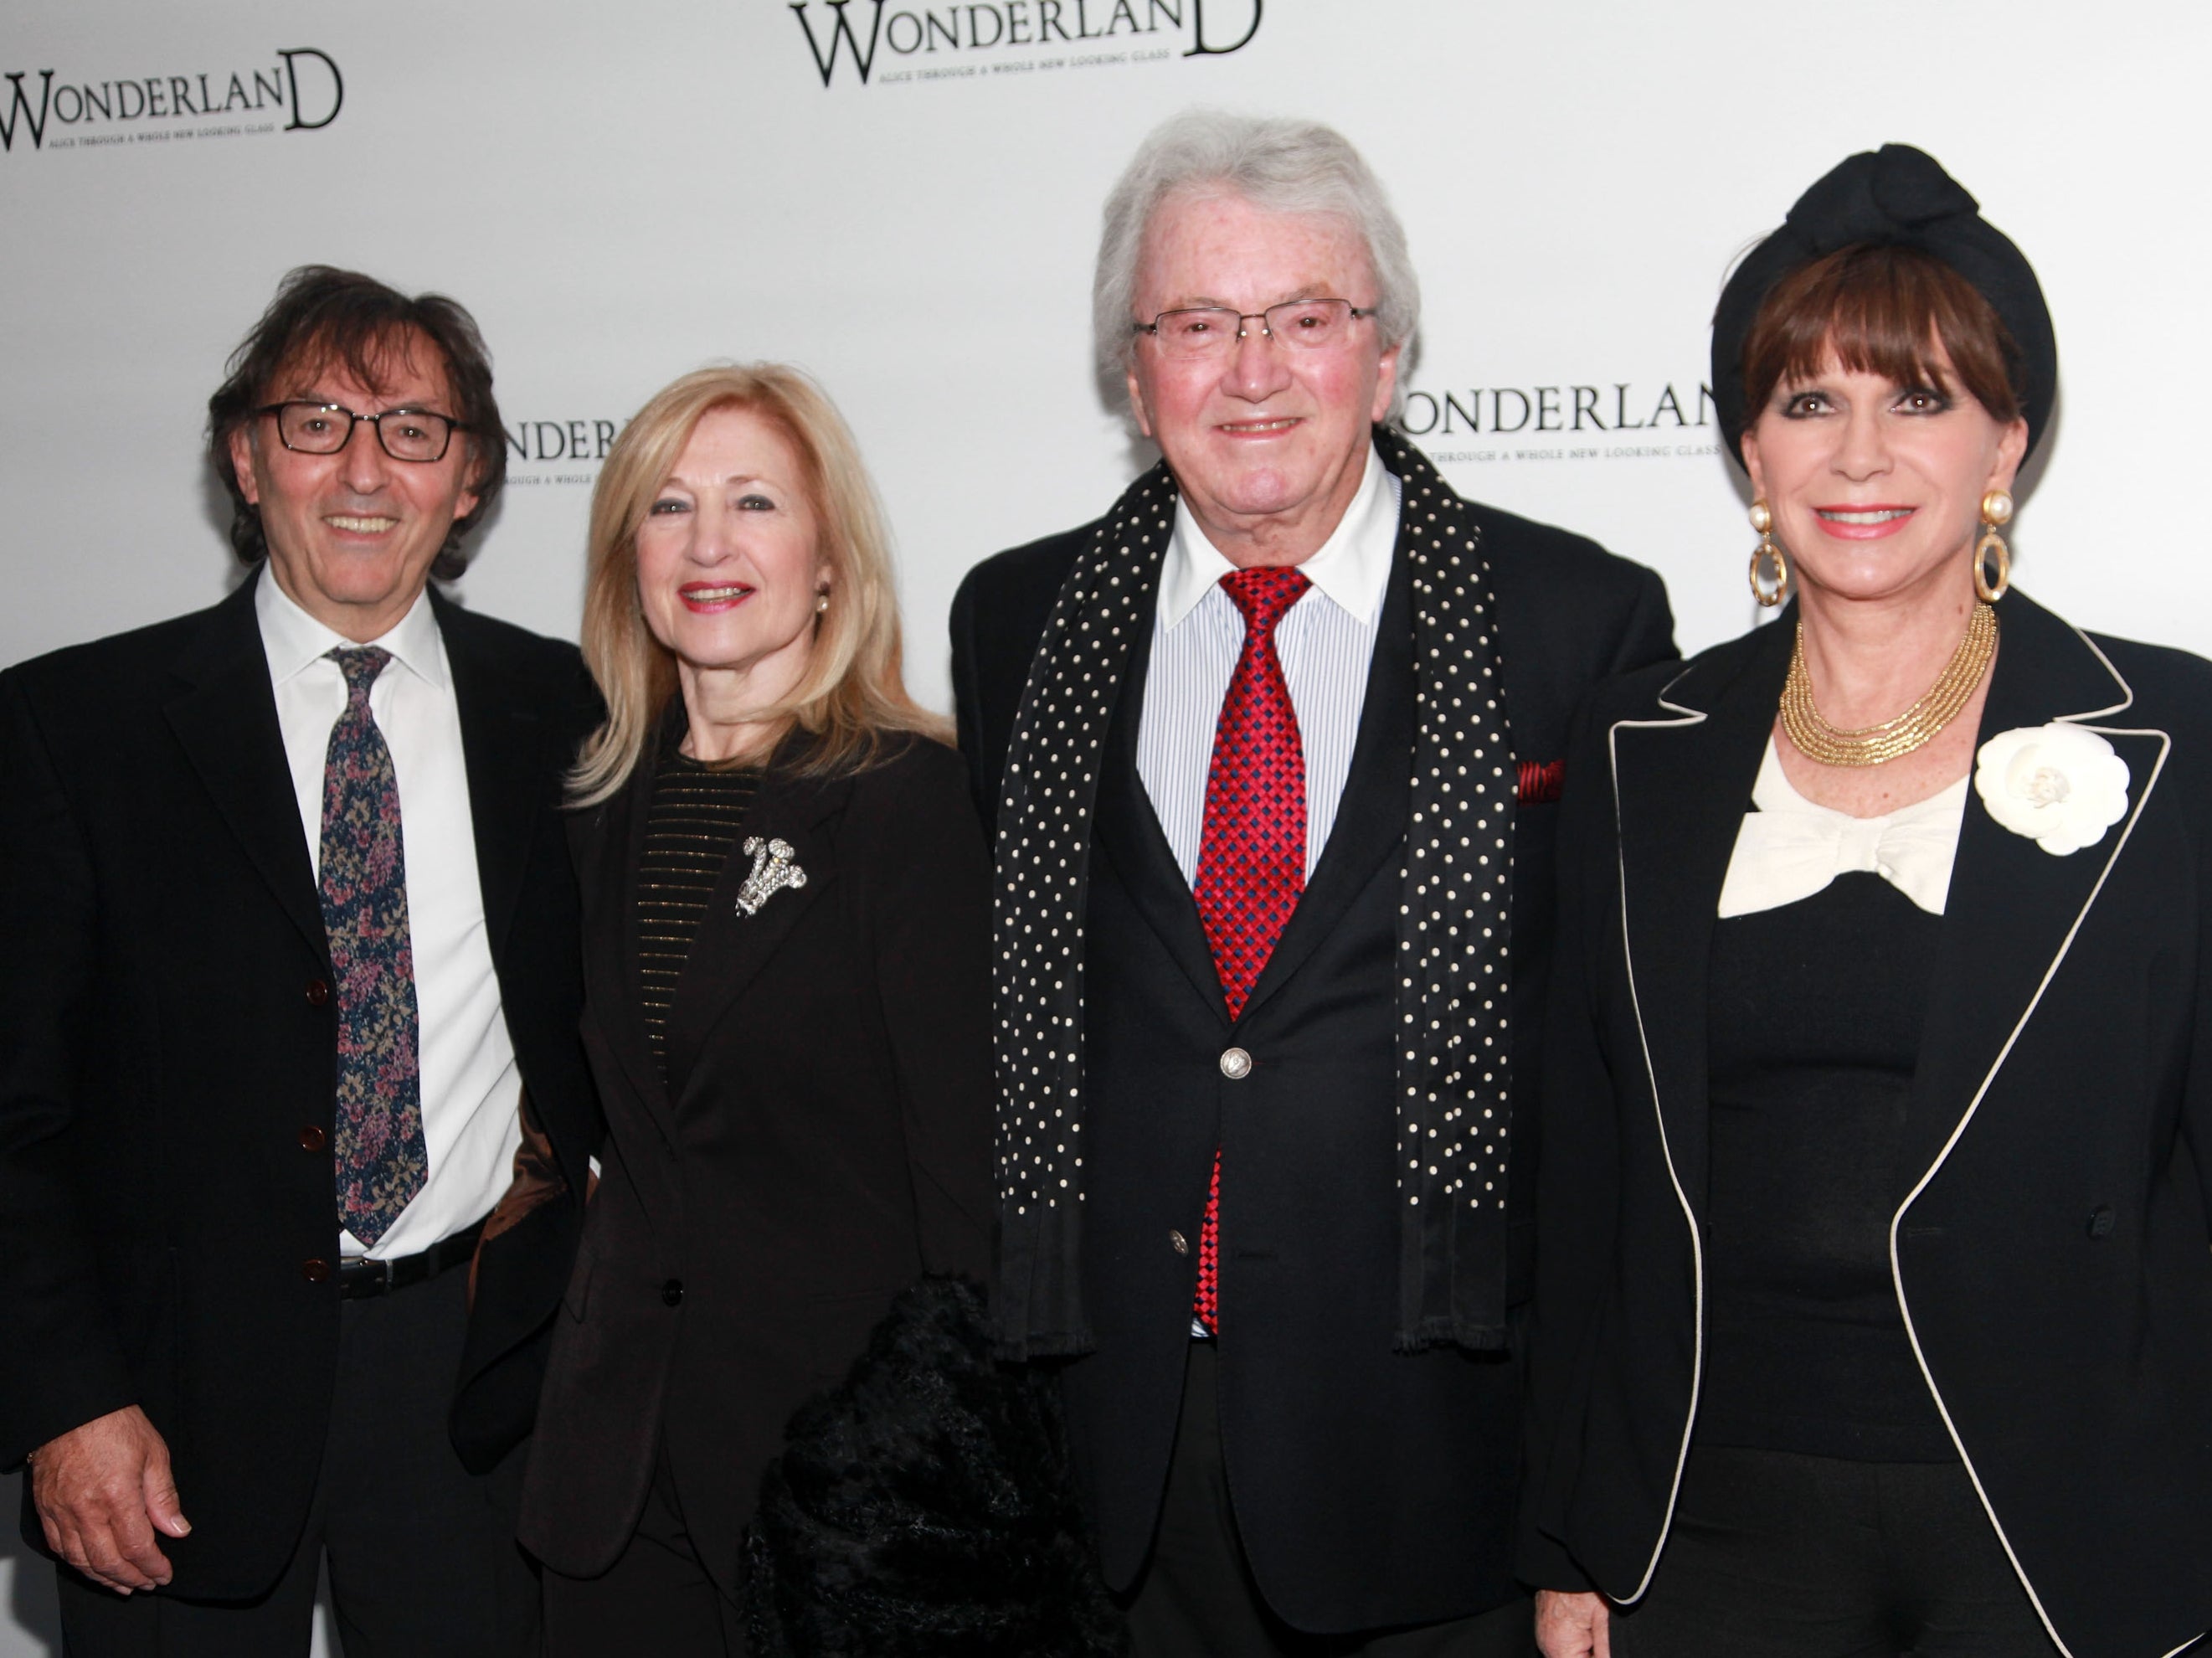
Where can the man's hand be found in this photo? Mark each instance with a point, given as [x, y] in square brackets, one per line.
[1573, 1626]
[103, 1491]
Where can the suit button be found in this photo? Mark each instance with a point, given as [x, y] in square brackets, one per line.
[312, 1138]
[315, 1272]
[1236, 1063]
[318, 993]
[671, 1293]
[1178, 1242]
[2101, 1222]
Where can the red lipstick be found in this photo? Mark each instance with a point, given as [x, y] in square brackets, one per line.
[706, 598]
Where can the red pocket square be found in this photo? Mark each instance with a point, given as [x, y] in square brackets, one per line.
[1539, 785]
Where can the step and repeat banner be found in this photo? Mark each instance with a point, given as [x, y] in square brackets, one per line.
[903, 197]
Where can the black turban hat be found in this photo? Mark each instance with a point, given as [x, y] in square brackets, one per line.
[1896, 196]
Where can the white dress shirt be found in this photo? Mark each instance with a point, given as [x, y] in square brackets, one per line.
[469, 1085]
[1791, 848]
[1325, 643]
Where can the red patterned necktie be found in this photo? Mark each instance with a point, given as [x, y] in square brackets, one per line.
[380, 1156]
[1252, 851]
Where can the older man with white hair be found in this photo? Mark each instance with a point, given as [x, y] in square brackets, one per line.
[1270, 751]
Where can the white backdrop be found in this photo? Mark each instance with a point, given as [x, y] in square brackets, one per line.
[621, 192]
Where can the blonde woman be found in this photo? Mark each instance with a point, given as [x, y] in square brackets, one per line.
[786, 934]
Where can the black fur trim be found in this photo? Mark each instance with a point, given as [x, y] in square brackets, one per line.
[927, 1508]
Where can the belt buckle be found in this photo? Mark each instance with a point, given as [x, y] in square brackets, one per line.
[363, 1277]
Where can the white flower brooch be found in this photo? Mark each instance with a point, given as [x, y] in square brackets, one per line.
[2058, 785]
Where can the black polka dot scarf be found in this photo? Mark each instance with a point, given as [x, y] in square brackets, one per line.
[1453, 925]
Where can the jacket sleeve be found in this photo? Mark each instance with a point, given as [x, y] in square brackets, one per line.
[932, 933]
[1578, 1178]
[1647, 633]
[2196, 1089]
[61, 1363]
[968, 716]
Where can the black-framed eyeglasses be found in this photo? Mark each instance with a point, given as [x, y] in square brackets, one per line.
[1205, 331]
[324, 429]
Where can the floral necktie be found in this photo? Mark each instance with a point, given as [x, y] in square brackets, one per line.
[382, 1159]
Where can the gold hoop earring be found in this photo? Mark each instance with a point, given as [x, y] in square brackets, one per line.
[1997, 509]
[1762, 520]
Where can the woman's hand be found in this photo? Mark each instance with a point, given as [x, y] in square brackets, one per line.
[1573, 1626]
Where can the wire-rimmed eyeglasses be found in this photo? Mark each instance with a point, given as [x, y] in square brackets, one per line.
[1203, 331]
[324, 429]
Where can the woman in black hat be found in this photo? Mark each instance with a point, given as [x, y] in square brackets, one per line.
[1874, 1308]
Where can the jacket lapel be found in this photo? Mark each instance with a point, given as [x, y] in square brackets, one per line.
[2014, 909]
[730, 947]
[608, 842]
[225, 717]
[502, 743]
[1370, 815]
[1683, 781]
[1129, 834]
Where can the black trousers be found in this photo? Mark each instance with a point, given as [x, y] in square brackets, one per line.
[656, 1598]
[1775, 1555]
[422, 1553]
[1197, 1598]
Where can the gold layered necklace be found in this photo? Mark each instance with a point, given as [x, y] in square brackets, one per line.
[1870, 745]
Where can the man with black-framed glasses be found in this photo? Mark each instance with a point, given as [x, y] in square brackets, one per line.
[293, 966]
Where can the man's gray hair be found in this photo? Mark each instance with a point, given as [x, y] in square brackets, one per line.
[1276, 164]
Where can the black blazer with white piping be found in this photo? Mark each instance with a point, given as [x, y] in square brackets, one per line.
[2049, 1245]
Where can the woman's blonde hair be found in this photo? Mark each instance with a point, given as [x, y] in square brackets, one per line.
[853, 693]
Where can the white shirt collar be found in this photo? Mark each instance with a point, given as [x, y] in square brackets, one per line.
[293, 639]
[1351, 568]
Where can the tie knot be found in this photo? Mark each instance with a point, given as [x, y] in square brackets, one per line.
[1265, 593]
[359, 664]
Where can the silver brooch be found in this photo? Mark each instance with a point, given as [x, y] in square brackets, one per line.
[773, 871]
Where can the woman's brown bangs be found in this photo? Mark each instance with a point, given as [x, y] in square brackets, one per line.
[1883, 310]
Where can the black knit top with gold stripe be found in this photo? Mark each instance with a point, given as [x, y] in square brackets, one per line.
[696, 817]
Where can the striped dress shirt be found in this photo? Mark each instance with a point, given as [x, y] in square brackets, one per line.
[1325, 642]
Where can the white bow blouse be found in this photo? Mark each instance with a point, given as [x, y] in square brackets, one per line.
[1790, 848]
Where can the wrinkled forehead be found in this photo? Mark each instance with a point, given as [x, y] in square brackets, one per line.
[396, 363]
[1201, 242]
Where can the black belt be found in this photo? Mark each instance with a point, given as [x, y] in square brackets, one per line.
[357, 1278]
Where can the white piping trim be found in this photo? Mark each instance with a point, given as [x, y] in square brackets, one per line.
[2127, 700]
[1690, 717]
[1896, 1269]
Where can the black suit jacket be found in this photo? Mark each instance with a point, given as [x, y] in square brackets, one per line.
[1371, 1488]
[2050, 1244]
[823, 1138]
[161, 1057]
